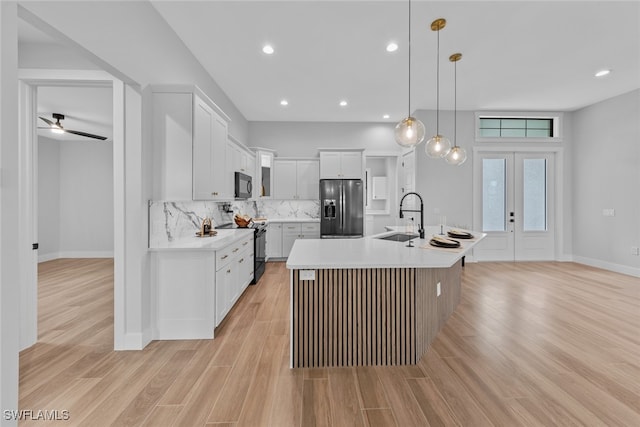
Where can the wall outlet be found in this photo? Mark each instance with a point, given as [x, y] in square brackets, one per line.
[307, 275]
[635, 250]
[608, 212]
[438, 289]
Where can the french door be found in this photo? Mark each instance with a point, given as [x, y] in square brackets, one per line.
[514, 197]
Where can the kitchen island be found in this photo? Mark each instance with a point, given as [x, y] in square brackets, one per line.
[369, 301]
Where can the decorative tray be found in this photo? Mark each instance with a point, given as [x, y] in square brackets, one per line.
[443, 242]
[210, 233]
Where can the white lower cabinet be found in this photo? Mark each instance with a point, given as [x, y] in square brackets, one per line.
[193, 290]
[274, 240]
[293, 231]
[234, 272]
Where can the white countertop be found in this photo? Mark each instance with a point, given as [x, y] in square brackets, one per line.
[371, 252]
[286, 220]
[224, 238]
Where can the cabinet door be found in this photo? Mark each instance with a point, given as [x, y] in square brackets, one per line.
[308, 177]
[210, 181]
[351, 165]
[274, 240]
[245, 272]
[330, 165]
[285, 179]
[224, 291]
[203, 151]
[290, 232]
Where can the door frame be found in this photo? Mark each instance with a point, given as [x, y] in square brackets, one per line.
[558, 202]
[129, 331]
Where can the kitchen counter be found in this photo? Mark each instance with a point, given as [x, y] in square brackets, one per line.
[371, 252]
[371, 302]
[224, 238]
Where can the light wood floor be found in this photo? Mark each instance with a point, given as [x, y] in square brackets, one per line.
[530, 344]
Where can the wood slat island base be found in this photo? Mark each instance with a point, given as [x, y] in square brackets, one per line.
[369, 316]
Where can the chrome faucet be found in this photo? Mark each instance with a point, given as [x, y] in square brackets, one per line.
[421, 225]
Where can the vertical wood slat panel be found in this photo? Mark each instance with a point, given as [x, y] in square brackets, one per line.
[359, 317]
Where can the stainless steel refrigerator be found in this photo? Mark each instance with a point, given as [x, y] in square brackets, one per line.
[342, 208]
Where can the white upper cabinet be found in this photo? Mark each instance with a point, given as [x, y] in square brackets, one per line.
[210, 182]
[189, 137]
[284, 177]
[296, 179]
[341, 164]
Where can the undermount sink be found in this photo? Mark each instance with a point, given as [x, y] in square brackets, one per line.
[399, 237]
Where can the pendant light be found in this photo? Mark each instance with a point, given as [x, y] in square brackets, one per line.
[410, 131]
[438, 146]
[457, 155]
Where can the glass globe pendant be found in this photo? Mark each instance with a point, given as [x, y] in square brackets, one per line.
[456, 156]
[409, 132]
[438, 146]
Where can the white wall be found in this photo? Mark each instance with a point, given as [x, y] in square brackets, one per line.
[86, 199]
[143, 47]
[9, 205]
[75, 199]
[48, 199]
[445, 189]
[302, 139]
[606, 174]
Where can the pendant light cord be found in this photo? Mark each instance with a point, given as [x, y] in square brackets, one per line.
[438, 86]
[455, 101]
[409, 108]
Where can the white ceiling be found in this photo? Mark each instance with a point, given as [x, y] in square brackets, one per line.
[516, 55]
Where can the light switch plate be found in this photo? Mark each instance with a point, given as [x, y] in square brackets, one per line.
[438, 290]
[307, 275]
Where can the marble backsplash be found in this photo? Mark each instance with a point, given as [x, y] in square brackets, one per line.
[169, 221]
[289, 209]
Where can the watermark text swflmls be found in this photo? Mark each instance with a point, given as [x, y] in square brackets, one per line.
[36, 415]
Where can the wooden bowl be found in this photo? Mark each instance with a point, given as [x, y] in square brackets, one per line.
[242, 222]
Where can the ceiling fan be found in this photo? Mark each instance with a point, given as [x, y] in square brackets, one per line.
[57, 127]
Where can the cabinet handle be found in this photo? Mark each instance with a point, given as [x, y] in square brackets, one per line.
[245, 244]
[229, 271]
[236, 249]
[241, 260]
[225, 257]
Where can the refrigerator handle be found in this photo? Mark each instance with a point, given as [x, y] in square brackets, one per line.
[342, 200]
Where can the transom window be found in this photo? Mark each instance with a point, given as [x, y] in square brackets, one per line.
[510, 127]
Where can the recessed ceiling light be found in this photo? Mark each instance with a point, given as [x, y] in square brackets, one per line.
[284, 102]
[268, 49]
[602, 73]
[392, 47]
[343, 103]
[386, 116]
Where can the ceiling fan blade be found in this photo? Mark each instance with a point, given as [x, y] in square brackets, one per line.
[49, 122]
[88, 135]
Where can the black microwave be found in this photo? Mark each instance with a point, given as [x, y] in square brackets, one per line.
[243, 186]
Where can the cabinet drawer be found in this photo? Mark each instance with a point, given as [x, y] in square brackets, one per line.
[291, 228]
[308, 228]
[223, 256]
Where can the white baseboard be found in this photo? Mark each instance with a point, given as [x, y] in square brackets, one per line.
[75, 254]
[618, 268]
[131, 341]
